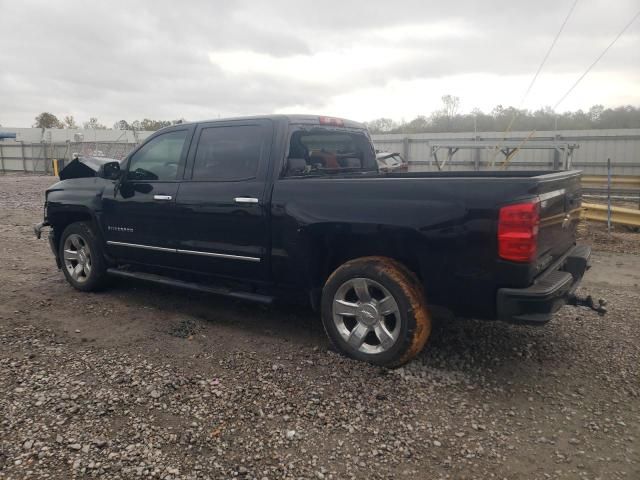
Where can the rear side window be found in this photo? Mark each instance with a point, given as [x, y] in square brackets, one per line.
[159, 158]
[323, 151]
[229, 153]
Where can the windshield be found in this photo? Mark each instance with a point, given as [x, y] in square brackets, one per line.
[324, 151]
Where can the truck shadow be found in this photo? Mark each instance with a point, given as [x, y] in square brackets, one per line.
[464, 345]
[296, 323]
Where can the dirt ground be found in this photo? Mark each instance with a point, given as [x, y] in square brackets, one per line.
[145, 382]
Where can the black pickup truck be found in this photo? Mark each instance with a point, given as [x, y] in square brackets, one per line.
[294, 208]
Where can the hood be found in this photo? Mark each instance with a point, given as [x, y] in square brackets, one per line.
[83, 167]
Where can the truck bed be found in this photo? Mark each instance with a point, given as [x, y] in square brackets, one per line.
[442, 224]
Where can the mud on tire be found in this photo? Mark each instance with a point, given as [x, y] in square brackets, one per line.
[374, 310]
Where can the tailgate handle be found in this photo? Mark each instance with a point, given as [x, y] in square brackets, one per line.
[164, 198]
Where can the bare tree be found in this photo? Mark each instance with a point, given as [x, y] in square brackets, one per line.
[451, 105]
[93, 124]
[69, 122]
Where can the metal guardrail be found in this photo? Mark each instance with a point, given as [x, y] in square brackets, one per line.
[625, 187]
[619, 215]
[626, 182]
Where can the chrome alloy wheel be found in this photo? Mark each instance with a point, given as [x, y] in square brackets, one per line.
[366, 315]
[77, 258]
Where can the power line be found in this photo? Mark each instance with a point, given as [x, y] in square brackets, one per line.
[544, 60]
[635, 17]
[533, 80]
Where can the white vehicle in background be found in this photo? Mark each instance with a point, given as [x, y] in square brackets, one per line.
[391, 162]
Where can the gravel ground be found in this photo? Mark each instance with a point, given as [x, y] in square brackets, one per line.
[622, 239]
[142, 381]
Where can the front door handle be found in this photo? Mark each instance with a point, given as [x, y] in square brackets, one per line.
[163, 197]
[246, 200]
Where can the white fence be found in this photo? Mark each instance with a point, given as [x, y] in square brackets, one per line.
[37, 157]
[453, 151]
[425, 150]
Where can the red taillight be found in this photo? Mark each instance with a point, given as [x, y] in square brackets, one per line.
[518, 231]
[338, 122]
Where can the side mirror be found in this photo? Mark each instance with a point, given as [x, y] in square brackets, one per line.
[110, 171]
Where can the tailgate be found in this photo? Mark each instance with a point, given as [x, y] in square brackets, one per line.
[560, 201]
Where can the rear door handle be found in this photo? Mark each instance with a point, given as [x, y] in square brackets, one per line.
[163, 197]
[246, 200]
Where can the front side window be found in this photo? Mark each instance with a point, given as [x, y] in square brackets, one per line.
[320, 151]
[229, 153]
[159, 158]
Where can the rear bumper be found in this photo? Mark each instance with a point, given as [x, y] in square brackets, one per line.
[550, 291]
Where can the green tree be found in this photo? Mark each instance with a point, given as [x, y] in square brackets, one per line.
[449, 120]
[418, 124]
[381, 125]
[153, 125]
[122, 125]
[47, 120]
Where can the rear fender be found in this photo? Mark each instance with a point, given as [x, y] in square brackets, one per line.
[327, 246]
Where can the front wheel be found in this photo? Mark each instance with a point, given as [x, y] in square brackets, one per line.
[374, 310]
[82, 259]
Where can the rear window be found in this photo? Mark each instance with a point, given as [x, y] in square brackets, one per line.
[324, 152]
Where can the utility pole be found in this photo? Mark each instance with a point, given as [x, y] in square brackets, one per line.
[608, 195]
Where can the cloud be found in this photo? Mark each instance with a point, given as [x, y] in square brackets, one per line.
[160, 59]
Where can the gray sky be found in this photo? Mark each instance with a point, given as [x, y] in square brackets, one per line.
[360, 60]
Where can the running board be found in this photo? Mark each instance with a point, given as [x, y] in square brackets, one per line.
[150, 277]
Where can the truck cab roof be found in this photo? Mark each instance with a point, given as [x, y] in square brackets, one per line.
[297, 119]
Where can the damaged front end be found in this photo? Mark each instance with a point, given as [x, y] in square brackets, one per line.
[59, 194]
[85, 167]
[37, 230]
[38, 227]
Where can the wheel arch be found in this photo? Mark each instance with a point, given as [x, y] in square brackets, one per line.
[329, 248]
[59, 219]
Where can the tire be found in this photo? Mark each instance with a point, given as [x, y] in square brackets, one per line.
[82, 258]
[374, 310]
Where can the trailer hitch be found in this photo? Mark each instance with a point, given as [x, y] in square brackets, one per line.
[588, 302]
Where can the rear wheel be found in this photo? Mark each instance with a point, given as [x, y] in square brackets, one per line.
[82, 258]
[373, 310]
